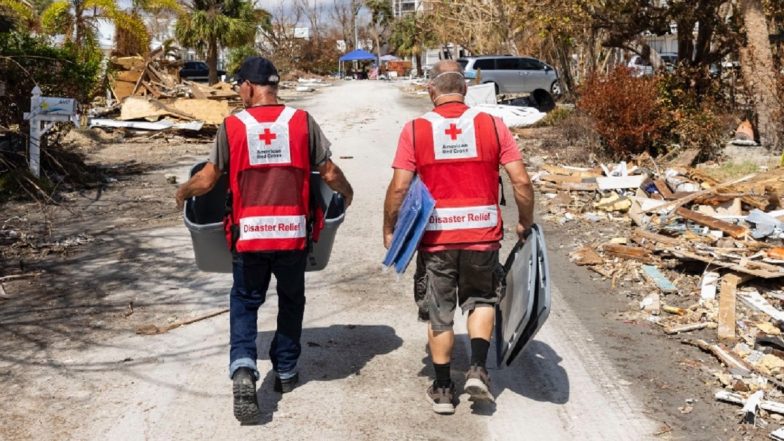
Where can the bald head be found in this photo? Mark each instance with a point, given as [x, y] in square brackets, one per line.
[446, 77]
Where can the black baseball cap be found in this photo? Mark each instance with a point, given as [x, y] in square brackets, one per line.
[257, 70]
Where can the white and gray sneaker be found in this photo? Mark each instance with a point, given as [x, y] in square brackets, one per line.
[442, 398]
[477, 384]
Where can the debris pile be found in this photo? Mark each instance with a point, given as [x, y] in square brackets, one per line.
[704, 254]
[150, 95]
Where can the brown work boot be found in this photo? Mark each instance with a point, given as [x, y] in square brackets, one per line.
[477, 384]
[442, 398]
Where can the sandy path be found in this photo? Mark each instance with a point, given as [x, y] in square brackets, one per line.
[364, 365]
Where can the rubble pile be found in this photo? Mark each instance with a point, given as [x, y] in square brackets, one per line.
[705, 255]
[148, 94]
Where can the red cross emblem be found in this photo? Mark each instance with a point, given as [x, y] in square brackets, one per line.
[453, 131]
[267, 136]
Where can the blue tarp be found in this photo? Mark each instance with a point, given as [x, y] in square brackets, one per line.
[358, 55]
[412, 220]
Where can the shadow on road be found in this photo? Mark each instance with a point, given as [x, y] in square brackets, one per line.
[332, 353]
[535, 374]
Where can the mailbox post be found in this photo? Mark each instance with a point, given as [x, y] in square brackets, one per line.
[44, 112]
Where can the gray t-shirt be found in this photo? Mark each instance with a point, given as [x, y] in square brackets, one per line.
[318, 144]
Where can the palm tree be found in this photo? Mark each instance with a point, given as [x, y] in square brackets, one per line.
[128, 43]
[208, 25]
[77, 20]
[19, 14]
[411, 34]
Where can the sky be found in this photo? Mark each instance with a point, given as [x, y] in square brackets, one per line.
[106, 29]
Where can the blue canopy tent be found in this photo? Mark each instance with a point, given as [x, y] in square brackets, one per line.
[355, 55]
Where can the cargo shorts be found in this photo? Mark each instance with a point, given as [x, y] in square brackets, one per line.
[445, 279]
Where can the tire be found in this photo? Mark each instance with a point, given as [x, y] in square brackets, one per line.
[555, 89]
[543, 100]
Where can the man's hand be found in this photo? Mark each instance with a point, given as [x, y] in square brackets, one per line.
[180, 197]
[387, 240]
[199, 184]
[522, 232]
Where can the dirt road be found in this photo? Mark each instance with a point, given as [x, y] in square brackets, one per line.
[364, 367]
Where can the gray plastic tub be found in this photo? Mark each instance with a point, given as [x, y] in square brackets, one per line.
[203, 216]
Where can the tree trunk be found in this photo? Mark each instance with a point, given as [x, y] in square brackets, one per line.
[212, 61]
[418, 58]
[759, 74]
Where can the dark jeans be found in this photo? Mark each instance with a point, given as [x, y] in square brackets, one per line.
[252, 272]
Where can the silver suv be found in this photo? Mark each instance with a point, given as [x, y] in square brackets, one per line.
[513, 74]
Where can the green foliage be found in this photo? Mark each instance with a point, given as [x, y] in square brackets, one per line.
[556, 117]
[208, 25]
[237, 55]
[26, 60]
[627, 111]
[19, 14]
[229, 23]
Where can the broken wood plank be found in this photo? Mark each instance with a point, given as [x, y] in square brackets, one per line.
[729, 284]
[604, 272]
[152, 329]
[729, 397]
[586, 256]
[663, 189]
[764, 273]
[674, 310]
[657, 278]
[559, 179]
[641, 236]
[577, 186]
[572, 171]
[688, 327]
[627, 252]
[756, 301]
[736, 365]
[620, 182]
[685, 200]
[736, 231]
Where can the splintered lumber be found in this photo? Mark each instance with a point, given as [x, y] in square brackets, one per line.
[736, 231]
[559, 179]
[151, 329]
[640, 236]
[586, 256]
[756, 301]
[660, 280]
[736, 365]
[627, 252]
[577, 186]
[688, 327]
[698, 194]
[729, 284]
[729, 397]
[663, 189]
[674, 310]
[761, 270]
[580, 172]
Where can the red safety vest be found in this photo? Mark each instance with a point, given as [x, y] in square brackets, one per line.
[269, 179]
[457, 159]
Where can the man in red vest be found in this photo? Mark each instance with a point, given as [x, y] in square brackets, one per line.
[268, 151]
[456, 152]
